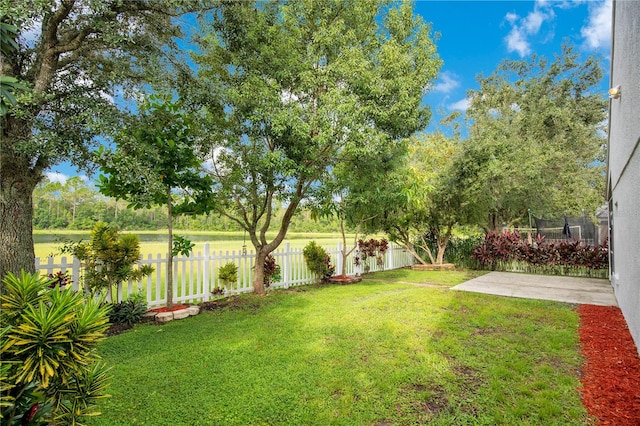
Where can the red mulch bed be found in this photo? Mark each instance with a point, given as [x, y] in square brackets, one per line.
[344, 279]
[611, 374]
[165, 309]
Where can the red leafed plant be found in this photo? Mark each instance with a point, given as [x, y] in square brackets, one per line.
[372, 248]
[511, 246]
[271, 270]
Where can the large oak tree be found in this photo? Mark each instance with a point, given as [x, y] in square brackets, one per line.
[75, 56]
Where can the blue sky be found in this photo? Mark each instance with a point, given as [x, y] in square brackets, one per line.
[475, 36]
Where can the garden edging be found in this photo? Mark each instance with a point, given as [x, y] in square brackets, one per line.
[175, 315]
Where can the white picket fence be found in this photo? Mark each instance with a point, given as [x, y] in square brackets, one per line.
[196, 276]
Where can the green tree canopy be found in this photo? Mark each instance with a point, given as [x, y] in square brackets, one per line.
[299, 82]
[87, 53]
[426, 200]
[155, 157]
[536, 141]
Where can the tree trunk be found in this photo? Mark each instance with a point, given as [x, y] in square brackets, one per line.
[493, 222]
[258, 271]
[442, 246]
[411, 249]
[345, 253]
[17, 183]
[170, 253]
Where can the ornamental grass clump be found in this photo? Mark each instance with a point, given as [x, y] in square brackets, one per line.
[50, 372]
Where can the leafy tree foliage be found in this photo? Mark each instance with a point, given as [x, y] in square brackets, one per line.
[357, 192]
[535, 141]
[426, 202]
[154, 158]
[87, 53]
[299, 82]
[9, 86]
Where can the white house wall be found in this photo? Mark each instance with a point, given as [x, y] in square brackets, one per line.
[624, 162]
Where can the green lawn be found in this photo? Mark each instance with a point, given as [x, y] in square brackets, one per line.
[381, 352]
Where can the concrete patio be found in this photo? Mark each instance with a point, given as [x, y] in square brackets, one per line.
[589, 291]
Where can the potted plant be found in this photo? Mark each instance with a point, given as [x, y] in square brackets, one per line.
[228, 274]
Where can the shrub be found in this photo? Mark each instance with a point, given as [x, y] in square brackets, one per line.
[228, 274]
[128, 312]
[271, 270]
[498, 248]
[108, 258]
[372, 248]
[50, 372]
[318, 261]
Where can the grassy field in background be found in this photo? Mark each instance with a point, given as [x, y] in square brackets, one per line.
[219, 241]
[381, 352]
[185, 277]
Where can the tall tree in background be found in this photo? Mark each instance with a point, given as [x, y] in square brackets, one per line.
[357, 192]
[82, 53]
[155, 157]
[300, 81]
[536, 141]
[427, 201]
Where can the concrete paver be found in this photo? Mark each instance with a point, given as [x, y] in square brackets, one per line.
[589, 291]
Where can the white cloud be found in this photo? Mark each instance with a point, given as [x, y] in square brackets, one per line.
[512, 18]
[447, 83]
[597, 32]
[461, 105]
[57, 177]
[533, 21]
[517, 42]
[523, 28]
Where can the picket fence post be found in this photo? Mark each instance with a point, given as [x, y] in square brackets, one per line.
[390, 262]
[206, 285]
[286, 264]
[294, 272]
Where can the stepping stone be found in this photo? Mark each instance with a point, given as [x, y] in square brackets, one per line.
[181, 313]
[164, 316]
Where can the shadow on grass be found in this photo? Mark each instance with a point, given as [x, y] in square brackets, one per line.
[378, 352]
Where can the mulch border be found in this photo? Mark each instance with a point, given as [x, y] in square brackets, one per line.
[611, 373]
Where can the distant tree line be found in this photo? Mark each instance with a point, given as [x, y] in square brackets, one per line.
[77, 204]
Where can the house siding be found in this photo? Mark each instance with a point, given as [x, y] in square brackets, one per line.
[624, 162]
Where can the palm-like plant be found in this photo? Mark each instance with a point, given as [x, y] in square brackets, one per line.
[109, 258]
[49, 371]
